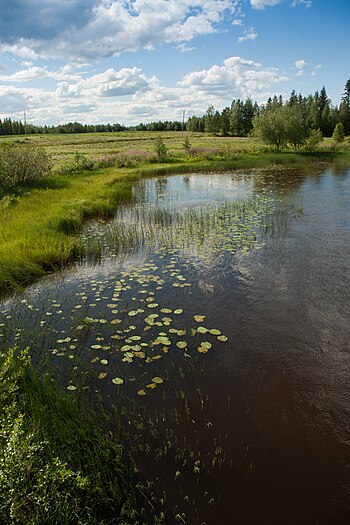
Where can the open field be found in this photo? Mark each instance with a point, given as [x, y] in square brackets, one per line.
[62, 148]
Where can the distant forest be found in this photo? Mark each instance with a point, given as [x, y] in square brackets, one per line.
[316, 112]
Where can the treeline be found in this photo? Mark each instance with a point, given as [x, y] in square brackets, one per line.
[315, 111]
[16, 127]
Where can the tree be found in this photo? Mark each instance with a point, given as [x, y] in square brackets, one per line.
[225, 121]
[344, 110]
[236, 120]
[209, 120]
[296, 131]
[270, 126]
[338, 133]
[186, 144]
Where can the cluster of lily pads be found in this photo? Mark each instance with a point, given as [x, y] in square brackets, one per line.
[122, 321]
[135, 330]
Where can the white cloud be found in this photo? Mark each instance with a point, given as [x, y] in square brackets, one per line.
[128, 95]
[184, 49]
[237, 77]
[35, 72]
[300, 73]
[318, 66]
[248, 35]
[237, 22]
[300, 64]
[261, 4]
[103, 28]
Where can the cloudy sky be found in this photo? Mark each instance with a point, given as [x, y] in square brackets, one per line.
[142, 60]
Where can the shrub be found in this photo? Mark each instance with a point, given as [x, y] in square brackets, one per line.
[22, 164]
[338, 133]
[79, 163]
[160, 150]
[314, 139]
[186, 144]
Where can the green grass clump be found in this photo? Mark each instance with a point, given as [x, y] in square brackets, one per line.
[57, 465]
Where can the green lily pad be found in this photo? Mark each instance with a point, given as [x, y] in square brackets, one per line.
[157, 380]
[118, 381]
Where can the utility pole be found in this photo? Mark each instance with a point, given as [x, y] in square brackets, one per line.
[25, 122]
[183, 120]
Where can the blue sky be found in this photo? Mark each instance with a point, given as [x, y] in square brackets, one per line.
[142, 60]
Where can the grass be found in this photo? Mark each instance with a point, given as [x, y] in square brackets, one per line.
[57, 463]
[37, 233]
[62, 148]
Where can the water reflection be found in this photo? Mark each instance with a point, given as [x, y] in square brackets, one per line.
[223, 322]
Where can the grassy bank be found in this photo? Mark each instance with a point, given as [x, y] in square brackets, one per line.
[57, 464]
[37, 229]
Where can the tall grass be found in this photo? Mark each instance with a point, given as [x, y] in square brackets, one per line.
[57, 463]
[36, 230]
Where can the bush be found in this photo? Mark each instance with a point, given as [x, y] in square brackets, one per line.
[22, 164]
[314, 139]
[338, 133]
[79, 163]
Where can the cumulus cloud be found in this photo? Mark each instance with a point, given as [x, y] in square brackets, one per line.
[85, 30]
[129, 95]
[237, 77]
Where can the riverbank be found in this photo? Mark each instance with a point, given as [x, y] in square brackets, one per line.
[57, 462]
[38, 230]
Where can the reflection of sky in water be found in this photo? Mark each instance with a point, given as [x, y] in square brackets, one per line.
[192, 190]
[280, 381]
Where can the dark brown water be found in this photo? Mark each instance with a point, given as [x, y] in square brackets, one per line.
[256, 429]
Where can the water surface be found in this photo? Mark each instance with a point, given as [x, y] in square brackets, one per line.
[240, 415]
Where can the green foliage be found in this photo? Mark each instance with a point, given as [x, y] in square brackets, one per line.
[57, 465]
[279, 125]
[271, 128]
[160, 149]
[313, 140]
[79, 163]
[186, 144]
[21, 164]
[338, 133]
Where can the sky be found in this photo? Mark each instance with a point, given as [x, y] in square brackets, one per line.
[131, 61]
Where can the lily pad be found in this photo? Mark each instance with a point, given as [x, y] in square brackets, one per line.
[118, 381]
[157, 380]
